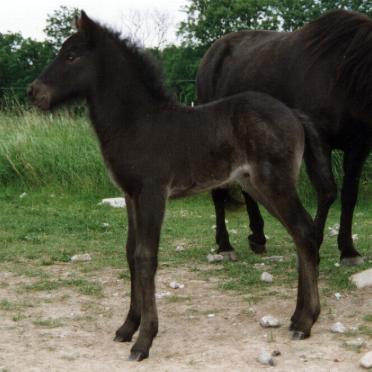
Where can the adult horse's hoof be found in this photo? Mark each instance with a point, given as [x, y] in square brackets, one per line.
[298, 335]
[352, 261]
[257, 248]
[137, 356]
[229, 255]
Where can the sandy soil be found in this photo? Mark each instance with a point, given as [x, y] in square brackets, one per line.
[188, 340]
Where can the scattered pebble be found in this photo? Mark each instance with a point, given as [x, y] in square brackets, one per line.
[176, 285]
[214, 258]
[358, 342]
[81, 257]
[105, 224]
[274, 258]
[276, 353]
[338, 327]
[269, 321]
[266, 277]
[337, 264]
[113, 202]
[24, 194]
[362, 279]
[266, 358]
[338, 295]
[333, 230]
[162, 294]
[211, 315]
[355, 237]
[366, 360]
[180, 248]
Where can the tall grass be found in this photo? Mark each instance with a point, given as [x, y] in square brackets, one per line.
[54, 149]
[60, 150]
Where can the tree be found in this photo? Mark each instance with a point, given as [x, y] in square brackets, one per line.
[21, 60]
[208, 20]
[60, 25]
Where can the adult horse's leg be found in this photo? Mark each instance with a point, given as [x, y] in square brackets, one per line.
[257, 240]
[149, 213]
[133, 320]
[354, 159]
[319, 168]
[222, 236]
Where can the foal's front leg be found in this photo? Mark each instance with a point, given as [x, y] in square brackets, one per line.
[149, 213]
[131, 324]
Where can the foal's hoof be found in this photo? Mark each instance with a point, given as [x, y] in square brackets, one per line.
[352, 261]
[298, 335]
[229, 255]
[137, 356]
[121, 338]
[257, 248]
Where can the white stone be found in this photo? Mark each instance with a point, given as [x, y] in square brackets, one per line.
[358, 342]
[274, 258]
[105, 224]
[266, 358]
[332, 232]
[24, 194]
[338, 327]
[362, 279]
[113, 202]
[366, 360]
[211, 315]
[269, 321]
[180, 248]
[266, 277]
[337, 264]
[338, 295]
[214, 258]
[162, 294]
[176, 285]
[81, 257]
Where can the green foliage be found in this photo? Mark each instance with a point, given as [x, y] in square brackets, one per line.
[57, 149]
[60, 25]
[208, 20]
[180, 66]
[21, 60]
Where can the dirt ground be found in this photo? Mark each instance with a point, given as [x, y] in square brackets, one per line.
[78, 333]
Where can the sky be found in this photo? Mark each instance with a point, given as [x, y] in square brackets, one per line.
[28, 16]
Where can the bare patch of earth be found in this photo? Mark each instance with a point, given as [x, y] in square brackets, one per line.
[62, 330]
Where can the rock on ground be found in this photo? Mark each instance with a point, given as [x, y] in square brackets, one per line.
[113, 202]
[266, 277]
[366, 361]
[269, 321]
[266, 358]
[81, 257]
[338, 328]
[362, 279]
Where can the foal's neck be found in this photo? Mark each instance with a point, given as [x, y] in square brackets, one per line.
[122, 95]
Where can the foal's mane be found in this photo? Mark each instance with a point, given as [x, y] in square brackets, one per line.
[149, 69]
[347, 37]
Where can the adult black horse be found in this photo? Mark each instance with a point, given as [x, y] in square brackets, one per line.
[323, 69]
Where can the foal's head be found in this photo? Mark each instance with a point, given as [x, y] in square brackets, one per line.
[95, 56]
[73, 70]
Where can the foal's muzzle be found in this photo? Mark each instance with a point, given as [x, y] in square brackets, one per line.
[40, 94]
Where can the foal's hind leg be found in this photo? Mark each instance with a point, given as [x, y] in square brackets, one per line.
[281, 199]
[131, 324]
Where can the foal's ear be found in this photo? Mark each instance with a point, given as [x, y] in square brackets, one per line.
[85, 25]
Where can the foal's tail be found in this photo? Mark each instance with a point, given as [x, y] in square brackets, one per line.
[312, 139]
